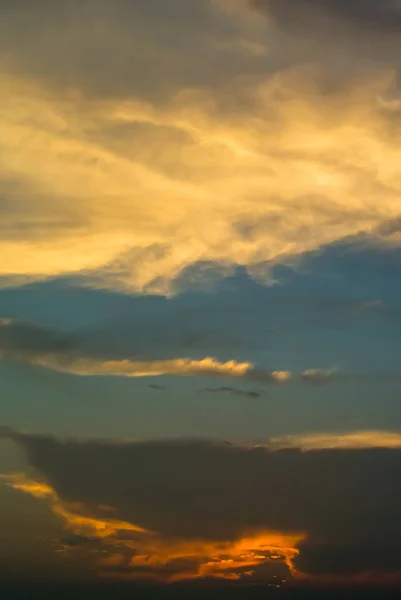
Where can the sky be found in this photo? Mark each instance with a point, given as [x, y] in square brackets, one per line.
[200, 309]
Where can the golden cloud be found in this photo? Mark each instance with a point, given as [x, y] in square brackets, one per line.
[128, 194]
[346, 440]
[129, 368]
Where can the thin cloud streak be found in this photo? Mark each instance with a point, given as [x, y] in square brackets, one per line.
[233, 391]
[30, 344]
[346, 440]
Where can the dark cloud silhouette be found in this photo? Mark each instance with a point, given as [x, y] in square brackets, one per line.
[345, 501]
[73, 540]
[20, 340]
[225, 389]
[349, 558]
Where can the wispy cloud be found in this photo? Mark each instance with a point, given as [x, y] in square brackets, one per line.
[92, 156]
[38, 346]
[346, 440]
[224, 389]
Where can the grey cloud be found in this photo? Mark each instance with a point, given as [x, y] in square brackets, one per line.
[368, 29]
[224, 389]
[118, 47]
[346, 501]
[21, 341]
[391, 227]
[365, 15]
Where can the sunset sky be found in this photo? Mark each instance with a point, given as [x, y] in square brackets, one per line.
[200, 299]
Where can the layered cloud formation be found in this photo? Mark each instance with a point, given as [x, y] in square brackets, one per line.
[38, 346]
[137, 141]
[185, 509]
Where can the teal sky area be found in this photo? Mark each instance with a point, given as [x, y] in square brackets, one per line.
[338, 310]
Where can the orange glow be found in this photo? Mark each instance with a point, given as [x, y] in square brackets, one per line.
[34, 488]
[73, 515]
[218, 559]
[221, 560]
[90, 526]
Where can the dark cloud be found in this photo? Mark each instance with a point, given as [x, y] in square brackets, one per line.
[349, 558]
[21, 341]
[346, 501]
[225, 389]
[120, 48]
[365, 15]
[73, 540]
[368, 29]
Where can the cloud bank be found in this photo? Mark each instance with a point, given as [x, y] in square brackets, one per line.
[168, 507]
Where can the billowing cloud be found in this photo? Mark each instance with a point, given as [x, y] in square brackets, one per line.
[126, 181]
[197, 508]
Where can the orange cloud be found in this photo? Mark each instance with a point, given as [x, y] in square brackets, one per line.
[217, 559]
[73, 515]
